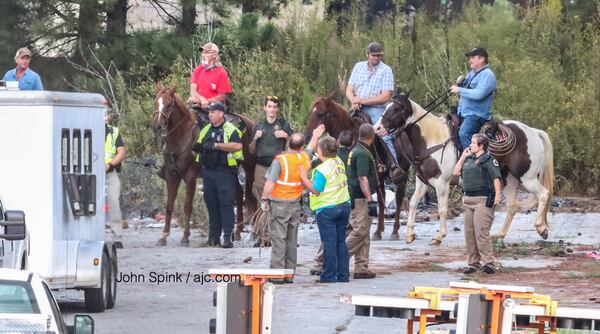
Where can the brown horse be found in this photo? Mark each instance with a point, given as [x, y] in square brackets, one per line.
[180, 133]
[326, 111]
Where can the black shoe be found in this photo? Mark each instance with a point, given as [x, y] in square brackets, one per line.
[277, 280]
[469, 271]
[316, 272]
[118, 245]
[214, 243]
[227, 244]
[321, 281]
[488, 269]
[365, 275]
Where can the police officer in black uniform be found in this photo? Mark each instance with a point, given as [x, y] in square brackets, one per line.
[219, 146]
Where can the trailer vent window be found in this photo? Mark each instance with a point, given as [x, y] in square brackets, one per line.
[65, 148]
[87, 151]
[76, 151]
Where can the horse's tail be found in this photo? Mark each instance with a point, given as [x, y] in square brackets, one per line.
[547, 174]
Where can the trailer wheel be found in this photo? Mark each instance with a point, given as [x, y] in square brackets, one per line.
[96, 300]
[112, 295]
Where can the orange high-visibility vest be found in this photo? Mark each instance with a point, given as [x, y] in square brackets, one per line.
[289, 186]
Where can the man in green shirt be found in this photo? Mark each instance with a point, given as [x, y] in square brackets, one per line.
[270, 139]
[362, 184]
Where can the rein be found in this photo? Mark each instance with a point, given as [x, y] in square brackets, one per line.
[428, 109]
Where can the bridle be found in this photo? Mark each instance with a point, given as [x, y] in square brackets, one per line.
[402, 128]
[169, 108]
[428, 108]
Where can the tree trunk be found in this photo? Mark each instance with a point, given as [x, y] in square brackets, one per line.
[116, 22]
[188, 18]
[88, 28]
[116, 32]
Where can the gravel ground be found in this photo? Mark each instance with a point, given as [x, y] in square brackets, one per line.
[303, 307]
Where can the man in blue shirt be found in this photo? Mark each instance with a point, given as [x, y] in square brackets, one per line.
[476, 95]
[370, 86]
[27, 78]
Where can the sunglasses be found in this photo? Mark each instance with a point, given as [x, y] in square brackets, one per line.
[272, 98]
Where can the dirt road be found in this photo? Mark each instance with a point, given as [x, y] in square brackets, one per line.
[307, 307]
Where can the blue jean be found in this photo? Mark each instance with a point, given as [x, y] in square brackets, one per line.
[470, 126]
[332, 224]
[375, 114]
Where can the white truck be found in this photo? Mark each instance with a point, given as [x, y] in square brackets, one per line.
[28, 306]
[52, 168]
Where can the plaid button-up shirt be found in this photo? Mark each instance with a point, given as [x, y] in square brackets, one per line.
[368, 84]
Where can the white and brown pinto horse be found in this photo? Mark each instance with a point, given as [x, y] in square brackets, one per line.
[427, 139]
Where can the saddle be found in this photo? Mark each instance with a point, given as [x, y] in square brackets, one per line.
[489, 128]
[233, 118]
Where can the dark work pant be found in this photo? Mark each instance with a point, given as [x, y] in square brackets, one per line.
[219, 194]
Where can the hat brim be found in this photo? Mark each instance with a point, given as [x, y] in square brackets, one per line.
[473, 54]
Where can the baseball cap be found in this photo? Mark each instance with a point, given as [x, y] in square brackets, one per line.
[23, 52]
[210, 47]
[477, 52]
[375, 48]
[217, 106]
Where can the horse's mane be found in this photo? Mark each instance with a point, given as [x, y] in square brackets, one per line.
[183, 107]
[417, 110]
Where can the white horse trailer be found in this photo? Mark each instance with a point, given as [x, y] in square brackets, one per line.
[52, 168]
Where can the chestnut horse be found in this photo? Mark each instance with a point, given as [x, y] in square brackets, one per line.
[530, 163]
[180, 132]
[326, 111]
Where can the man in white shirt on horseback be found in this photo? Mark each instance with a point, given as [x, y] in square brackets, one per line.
[370, 86]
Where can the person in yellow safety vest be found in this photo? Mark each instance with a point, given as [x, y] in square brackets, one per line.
[220, 147]
[331, 201]
[114, 154]
[281, 200]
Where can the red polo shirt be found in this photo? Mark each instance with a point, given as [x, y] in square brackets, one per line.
[212, 82]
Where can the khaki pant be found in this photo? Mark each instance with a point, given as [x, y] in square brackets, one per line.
[257, 189]
[359, 240]
[478, 222]
[284, 218]
[259, 180]
[113, 194]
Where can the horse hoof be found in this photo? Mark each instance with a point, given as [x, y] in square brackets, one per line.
[161, 242]
[376, 236]
[544, 234]
[394, 236]
[410, 238]
[184, 243]
[435, 242]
